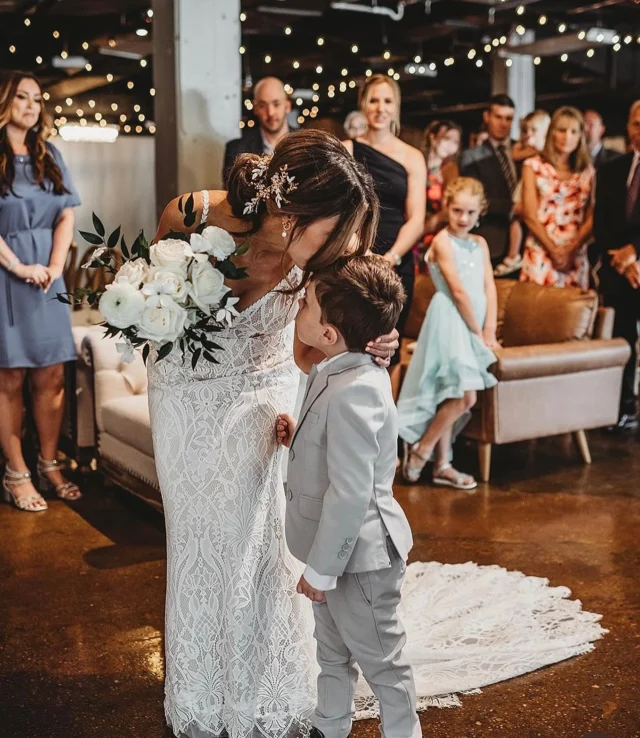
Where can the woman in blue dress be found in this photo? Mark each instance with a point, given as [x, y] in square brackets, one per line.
[36, 229]
[455, 347]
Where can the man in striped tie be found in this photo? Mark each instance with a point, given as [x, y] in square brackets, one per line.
[492, 164]
[617, 232]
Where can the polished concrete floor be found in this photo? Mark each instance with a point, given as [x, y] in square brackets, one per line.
[81, 599]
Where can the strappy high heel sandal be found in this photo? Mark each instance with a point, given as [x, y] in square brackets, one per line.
[26, 503]
[412, 474]
[65, 490]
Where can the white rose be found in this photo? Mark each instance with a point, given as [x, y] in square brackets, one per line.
[215, 241]
[121, 304]
[162, 319]
[95, 256]
[171, 252]
[166, 281]
[207, 286]
[133, 272]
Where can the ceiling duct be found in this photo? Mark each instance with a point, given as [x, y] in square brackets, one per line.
[395, 15]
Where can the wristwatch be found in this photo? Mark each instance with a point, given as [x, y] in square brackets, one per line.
[396, 257]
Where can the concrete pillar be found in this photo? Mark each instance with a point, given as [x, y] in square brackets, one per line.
[518, 81]
[197, 77]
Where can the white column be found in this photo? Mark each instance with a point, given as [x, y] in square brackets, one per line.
[197, 75]
[518, 81]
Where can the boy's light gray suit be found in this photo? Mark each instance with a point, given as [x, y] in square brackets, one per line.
[342, 520]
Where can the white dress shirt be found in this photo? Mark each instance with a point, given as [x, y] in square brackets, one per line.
[634, 164]
[323, 582]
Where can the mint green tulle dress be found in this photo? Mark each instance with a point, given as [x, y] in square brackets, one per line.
[448, 359]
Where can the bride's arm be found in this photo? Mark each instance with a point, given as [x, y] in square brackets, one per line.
[306, 356]
[173, 220]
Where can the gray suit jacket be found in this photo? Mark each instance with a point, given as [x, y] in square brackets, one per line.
[342, 460]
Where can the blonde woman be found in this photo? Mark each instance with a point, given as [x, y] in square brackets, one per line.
[557, 190]
[400, 178]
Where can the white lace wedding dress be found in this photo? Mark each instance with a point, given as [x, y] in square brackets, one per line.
[239, 648]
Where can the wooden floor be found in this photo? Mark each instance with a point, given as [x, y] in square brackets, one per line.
[82, 587]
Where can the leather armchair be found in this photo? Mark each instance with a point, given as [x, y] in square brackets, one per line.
[559, 370]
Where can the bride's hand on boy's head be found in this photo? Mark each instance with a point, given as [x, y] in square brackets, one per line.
[384, 347]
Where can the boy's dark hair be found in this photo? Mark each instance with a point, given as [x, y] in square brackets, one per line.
[361, 296]
[501, 100]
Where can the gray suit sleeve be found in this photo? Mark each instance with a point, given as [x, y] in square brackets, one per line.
[355, 417]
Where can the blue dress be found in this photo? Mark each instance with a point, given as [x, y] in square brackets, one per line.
[35, 329]
[449, 359]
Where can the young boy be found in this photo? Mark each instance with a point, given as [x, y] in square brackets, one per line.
[342, 520]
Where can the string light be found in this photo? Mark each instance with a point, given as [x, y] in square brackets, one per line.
[449, 61]
[243, 17]
[79, 112]
[315, 98]
[267, 59]
[127, 129]
[288, 31]
[320, 41]
[123, 118]
[27, 22]
[319, 69]
[478, 62]
[396, 76]
[628, 39]
[343, 86]
[615, 39]
[520, 30]
[85, 45]
[138, 129]
[300, 119]
[617, 47]
[432, 66]
[496, 42]
[509, 62]
[520, 10]
[472, 53]
[58, 108]
[83, 121]
[141, 117]
[581, 35]
[503, 40]
[152, 129]
[56, 34]
[537, 60]
[296, 64]
[344, 72]
[88, 67]
[149, 13]
[69, 101]
[143, 62]
[564, 57]
[242, 49]
[12, 49]
[417, 58]
[91, 103]
[542, 20]
[46, 95]
[114, 107]
[130, 85]
[98, 116]
[562, 28]
[487, 48]
[241, 124]
[136, 108]
[38, 60]
[103, 123]
[152, 92]
[112, 43]
[390, 72]
[421, 69]
[142, 32]
[368, 73]
[412, 69]
[387, 55]
[590, 53]
[305, 111]
[354, 49]
[109, 77]
[299, 101]
[352, 84]
[600, 38]
[315, 86]
[331, 93]
[64, 54]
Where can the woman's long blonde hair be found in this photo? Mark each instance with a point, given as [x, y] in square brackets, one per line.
[579, 159]
[366, 90]
[44, 165]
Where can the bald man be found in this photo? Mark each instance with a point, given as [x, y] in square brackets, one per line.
[270, 106]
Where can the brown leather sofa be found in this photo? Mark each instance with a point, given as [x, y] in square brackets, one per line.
[559, 370]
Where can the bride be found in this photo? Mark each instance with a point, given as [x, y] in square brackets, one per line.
[238, 642]
[239, 651]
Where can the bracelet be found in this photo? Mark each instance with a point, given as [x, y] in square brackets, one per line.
[396, 257]
[13, 264]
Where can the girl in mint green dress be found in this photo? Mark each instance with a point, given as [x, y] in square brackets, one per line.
[455, 347]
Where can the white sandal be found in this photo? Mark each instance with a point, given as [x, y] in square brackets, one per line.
[458, 480]
[26, 503]
[508, 266]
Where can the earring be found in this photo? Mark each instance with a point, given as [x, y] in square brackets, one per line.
[478, 224]
[286, 225]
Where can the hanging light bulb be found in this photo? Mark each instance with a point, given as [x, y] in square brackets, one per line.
[354, 49]
[387, 55]
[296, 64]
[542, 20]
[288, 31]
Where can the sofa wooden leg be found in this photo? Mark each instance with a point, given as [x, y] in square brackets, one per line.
[484, 452]
[583, 446]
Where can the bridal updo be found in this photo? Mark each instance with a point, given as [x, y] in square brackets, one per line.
[327, 182]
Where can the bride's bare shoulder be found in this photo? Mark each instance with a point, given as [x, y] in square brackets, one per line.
[172, 218]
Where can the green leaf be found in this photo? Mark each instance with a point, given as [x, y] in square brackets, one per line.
[92, 298]
[113, 238]
[165, 351]
[195, 357]
[190, 213]
[181, 204]
[145, 353]
[125, 250]
[210, 358]
[241, 250]
[230, 270]
[178, 235]
[62, 298]
[92, 238]
[97, 224]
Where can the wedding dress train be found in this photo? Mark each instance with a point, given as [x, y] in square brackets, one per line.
[239, 648]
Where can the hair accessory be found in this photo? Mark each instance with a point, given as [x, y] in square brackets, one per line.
[277, 187]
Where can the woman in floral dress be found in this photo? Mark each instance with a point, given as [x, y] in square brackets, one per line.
[558, 205]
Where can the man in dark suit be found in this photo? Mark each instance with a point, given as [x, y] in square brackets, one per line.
[594, 130]
[493, 165]
[271, 106]
[617, 232]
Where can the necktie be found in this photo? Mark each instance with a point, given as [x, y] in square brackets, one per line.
[633, 191]
[506, 167]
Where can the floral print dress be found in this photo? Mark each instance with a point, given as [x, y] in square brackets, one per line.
[562, 206]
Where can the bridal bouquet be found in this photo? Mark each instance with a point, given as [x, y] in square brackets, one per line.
[167, 294]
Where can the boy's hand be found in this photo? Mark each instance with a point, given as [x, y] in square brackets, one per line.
[304, 588]
[285, 428]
